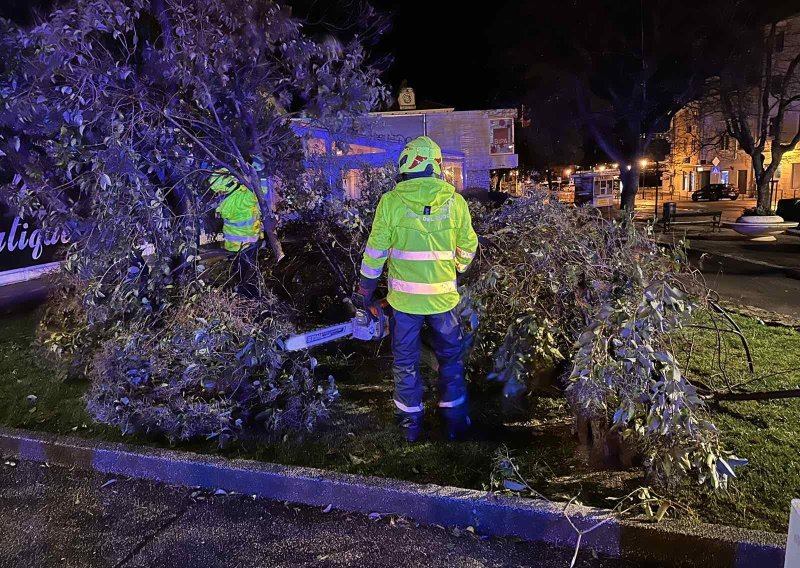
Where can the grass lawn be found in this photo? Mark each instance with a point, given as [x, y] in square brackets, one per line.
[767, 433]
[361, 438]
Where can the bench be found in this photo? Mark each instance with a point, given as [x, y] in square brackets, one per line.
[714, 219]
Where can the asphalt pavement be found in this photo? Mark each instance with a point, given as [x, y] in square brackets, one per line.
[52, 516]
[763, 275]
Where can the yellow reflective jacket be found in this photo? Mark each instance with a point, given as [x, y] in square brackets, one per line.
[241, 216]
[424, 229]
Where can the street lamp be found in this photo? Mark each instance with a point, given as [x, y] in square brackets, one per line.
[642, 166]
[567, 172]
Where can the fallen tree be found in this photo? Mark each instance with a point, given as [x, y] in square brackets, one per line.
[591, 305]
[112, 116]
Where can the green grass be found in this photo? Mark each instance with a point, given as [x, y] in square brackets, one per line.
[362, 439]
[766, 433]
[59, 406]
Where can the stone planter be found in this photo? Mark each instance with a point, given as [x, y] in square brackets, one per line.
[761, 228]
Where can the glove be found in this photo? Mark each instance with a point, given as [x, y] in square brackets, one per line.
[364, 296]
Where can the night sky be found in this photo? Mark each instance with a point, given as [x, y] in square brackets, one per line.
[447, 50]
[450, 52]
[498, 55]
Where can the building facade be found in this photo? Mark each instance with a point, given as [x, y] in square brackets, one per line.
[702, 152]
[342, 158]
[484, 137]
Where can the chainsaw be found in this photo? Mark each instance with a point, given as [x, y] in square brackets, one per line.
[366, 325]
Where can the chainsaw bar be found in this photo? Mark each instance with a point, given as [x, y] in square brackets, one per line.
[366, 326]
[319, 336]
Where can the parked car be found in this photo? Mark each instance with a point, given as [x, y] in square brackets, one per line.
[715, 192]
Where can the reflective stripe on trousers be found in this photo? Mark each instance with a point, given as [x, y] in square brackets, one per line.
[410, 409]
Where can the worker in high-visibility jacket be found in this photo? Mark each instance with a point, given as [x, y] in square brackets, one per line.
[241, 226]
[424, 230]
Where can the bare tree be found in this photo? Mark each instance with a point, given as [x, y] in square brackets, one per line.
[632, 66]
[758, 93]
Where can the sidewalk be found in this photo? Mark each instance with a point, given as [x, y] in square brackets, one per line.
[23, 295]
[52, 516]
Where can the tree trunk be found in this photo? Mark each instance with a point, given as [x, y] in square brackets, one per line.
[630, 186]
[763, 177]
[267, 217]
[768, 395]
[763, 196]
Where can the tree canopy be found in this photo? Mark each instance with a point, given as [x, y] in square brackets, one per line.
[113, 113]
[625, 67]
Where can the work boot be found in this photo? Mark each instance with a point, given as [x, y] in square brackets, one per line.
[410, 424]
[456, 421]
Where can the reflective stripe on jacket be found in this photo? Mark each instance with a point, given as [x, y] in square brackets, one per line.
[423, 228]
[240, 212]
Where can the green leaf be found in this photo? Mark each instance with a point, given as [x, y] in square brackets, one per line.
[513, 485]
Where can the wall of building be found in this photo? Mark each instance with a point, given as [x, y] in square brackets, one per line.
[342, 164]
[698, 137]
[467, 132]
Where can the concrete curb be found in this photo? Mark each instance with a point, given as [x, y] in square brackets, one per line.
[709, 546]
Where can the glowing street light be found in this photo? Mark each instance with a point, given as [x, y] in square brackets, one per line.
[567, 172]
[601, 169]
[643, 163]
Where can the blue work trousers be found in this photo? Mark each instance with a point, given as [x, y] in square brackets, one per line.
[448, 346]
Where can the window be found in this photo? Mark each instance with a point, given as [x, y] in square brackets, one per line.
[780, 38]
[796, 176]
[351, 181]
[724, 141]
[775, 84]
[689, 128]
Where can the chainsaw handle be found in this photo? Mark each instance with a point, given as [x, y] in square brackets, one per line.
[380, 308]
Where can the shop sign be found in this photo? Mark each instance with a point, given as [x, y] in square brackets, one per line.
[23, 244]
[501, 136]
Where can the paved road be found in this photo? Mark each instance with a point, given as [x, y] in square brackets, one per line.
[51, 516]
[750, 285]
[723, 259]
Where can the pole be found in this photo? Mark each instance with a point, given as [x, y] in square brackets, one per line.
[658, 186]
